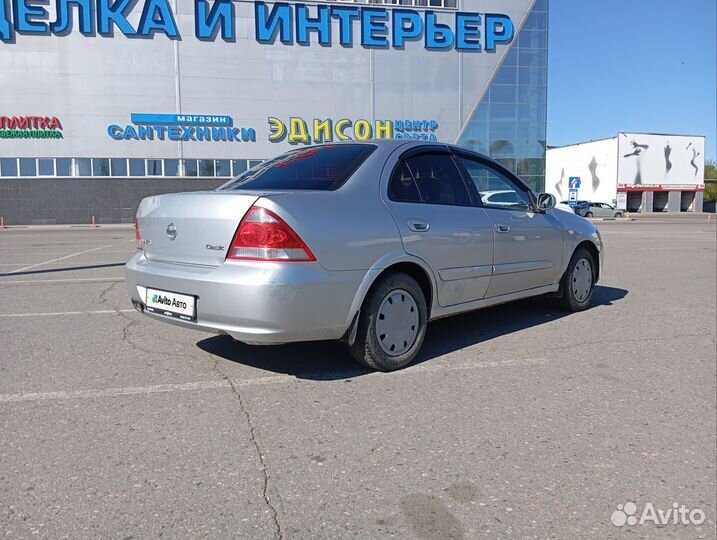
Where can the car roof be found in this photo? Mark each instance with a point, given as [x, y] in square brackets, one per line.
[407, 143]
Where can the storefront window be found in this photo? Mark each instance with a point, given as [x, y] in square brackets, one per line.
[154, 167]
[28, 167]
[171, 167]
[136, 167]
[8, 167]
[238, 166]
[190, 167]
[83, 167]
[118, 167]
[223, 167]
[100, 167]
[46, 167]
[206, 167]
[63, 167]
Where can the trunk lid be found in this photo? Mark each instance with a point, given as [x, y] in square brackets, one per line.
[192, 228]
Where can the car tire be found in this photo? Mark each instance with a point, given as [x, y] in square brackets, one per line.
[588, 214]
[392, 324]
[618, 215]
[578, 283]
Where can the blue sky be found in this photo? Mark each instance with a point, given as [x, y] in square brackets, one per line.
[632, 66]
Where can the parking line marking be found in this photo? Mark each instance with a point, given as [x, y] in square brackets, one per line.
[271, 379]
[75, 280]
[111, 392]
[58, 259]
[58, 313]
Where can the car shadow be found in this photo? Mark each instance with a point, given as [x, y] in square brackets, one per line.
[329, 360]
[63, 269]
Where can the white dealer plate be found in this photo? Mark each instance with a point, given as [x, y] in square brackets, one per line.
[169, 304]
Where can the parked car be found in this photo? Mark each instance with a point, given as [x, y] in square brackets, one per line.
[565, 207]
[501, 197]
[598, 209]
[579, 207]
[365, 242]
[509, 198]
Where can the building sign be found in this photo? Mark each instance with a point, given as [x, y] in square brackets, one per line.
[30, 127]
[660, 187]
[181, 127]
[298, 131]
[288, 22]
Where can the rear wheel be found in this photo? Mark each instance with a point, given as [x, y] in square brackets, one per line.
[578, 283]
[392, 324]
[618, 214]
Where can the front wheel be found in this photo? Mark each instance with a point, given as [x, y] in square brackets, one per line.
[578, 283]
[618, 215]
[392, 324]
[589, 215]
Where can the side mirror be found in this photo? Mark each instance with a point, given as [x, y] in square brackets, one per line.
[546, 201]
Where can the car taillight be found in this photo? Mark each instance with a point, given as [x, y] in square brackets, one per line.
[137, 236]
[264, 236]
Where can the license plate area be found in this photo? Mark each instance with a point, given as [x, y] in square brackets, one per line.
[171, 304]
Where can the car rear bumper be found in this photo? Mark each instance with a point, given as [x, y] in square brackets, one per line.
[254, 302]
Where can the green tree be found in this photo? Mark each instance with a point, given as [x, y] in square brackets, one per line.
[710, 170]
[710, 181]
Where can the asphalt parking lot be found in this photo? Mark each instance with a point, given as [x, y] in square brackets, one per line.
[516, 422]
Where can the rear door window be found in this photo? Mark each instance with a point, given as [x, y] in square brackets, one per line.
[324, 168]
[430, 178]
[402, 187]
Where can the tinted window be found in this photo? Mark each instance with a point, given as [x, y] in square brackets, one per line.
[321, 168]
[495, 189]
[402, 187]
[504, 197]
[438, 180]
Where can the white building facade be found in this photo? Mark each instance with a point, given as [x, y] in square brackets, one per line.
[637, 172]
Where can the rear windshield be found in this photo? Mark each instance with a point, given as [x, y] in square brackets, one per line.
[323, 168]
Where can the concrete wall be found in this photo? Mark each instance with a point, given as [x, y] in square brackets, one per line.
[33, 201]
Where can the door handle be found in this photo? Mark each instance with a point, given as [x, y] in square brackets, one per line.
[502, 228]
[417, 225]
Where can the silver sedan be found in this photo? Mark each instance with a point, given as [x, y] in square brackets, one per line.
[361, 242]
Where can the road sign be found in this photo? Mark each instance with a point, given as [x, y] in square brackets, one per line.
[574, 182]
[573, 197]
